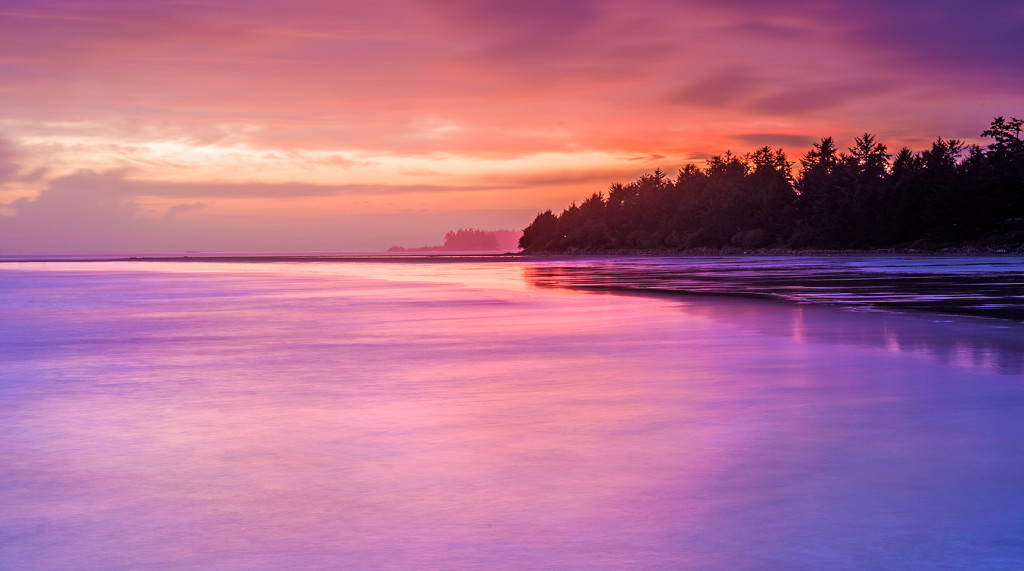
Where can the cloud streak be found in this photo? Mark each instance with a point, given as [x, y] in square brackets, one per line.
[85, 186]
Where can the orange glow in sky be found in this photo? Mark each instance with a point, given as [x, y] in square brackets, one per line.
[307, 125]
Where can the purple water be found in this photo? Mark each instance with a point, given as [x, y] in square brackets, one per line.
[462, 415]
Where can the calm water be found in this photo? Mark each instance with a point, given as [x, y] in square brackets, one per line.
[471, 415]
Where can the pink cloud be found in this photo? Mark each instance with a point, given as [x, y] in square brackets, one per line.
[8, 161]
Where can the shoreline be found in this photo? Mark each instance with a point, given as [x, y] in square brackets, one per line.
[997, 250]
[963, 251]
[974, 283]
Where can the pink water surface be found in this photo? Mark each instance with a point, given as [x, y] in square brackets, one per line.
[406, 415]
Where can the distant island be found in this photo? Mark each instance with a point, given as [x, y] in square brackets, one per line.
[472, 240]
[951, 195]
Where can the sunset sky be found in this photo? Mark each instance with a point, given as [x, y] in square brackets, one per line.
[342, 125]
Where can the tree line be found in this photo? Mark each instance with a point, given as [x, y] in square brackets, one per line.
[864, 197]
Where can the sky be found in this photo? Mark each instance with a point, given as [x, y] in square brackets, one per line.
[322, 125]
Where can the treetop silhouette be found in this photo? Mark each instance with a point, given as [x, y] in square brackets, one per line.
[866, 197]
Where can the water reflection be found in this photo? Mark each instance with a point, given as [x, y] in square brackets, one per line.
[989, 287]
[996, 345]
[267, 417]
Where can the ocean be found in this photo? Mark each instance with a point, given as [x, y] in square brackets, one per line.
[512, 412]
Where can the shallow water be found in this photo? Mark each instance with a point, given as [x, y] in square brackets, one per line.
[986, 286]
[426, 415]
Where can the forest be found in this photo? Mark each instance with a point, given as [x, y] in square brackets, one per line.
[861, 198]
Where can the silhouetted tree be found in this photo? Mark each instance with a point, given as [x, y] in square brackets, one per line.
[822, 202]
[722, 213]
[1006, 157]
[769, 194]
[541, 233]
[946, 193]
[900, 207]
[1006, 134]
[867, 167]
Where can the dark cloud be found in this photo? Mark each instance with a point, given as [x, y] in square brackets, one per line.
[648, 157]
[81, 195]
[740, 88]
[721, 89]
[698, 156]
[75, 212]
[777, 140]
[803, 98]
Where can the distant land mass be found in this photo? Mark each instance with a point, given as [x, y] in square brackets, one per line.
[472, 240]
[947, 197]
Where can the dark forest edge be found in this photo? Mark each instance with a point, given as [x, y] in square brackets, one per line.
[951, 197]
